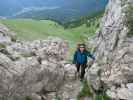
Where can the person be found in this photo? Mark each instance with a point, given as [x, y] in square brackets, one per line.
[80, 59]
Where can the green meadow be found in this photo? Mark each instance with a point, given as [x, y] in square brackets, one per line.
[28, 29]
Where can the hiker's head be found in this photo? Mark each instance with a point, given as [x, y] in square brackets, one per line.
[82, 47]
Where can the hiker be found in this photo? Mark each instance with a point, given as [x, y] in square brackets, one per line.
[80, 59]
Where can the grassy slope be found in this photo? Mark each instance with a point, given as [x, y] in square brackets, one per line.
[28, 29]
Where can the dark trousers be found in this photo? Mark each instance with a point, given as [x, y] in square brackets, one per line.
[82, 67]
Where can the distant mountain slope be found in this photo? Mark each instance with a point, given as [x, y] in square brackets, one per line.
[66, 13]
[62, 10]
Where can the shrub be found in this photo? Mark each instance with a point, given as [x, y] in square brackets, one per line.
[57, 98]
[28, 98]
[129, 19]
[102, 97]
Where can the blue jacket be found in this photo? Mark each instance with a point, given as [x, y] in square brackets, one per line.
[81, 58]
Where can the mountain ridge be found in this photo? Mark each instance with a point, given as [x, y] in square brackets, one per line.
[62, 8]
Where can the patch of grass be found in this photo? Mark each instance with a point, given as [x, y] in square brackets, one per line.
[2, 46]
[102, 97]
[129, 19]
[28, 98]
[3, 98]
[85, 92]
[57, 98]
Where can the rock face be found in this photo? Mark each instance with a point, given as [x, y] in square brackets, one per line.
[113, 69]
[34, 69]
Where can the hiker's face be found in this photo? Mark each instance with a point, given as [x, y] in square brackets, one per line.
[82, 49]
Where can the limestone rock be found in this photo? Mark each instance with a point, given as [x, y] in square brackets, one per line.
[6, 37]
[125, 94]
[93, 76]
[113, 51]
[130, 86]
[70, 72]
[34, 68]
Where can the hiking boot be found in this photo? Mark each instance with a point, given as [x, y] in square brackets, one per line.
[81, 79]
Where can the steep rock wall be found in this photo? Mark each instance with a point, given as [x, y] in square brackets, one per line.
[113, 68]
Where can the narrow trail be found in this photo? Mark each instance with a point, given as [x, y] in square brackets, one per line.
[70, 90]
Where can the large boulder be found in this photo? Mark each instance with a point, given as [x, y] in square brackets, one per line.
[36, 69]
[6, 36]
[113, 51]
[70, 72]
[27, 76]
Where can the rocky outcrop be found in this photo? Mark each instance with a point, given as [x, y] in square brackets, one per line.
[32, 69]
[113, 68]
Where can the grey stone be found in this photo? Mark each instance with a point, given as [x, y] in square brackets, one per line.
[113, 52]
